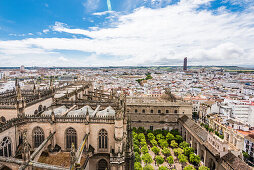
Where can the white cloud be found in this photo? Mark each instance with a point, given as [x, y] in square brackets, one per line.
[153, 36]
[63, 59]
[103, 13]
[91, 5]
[45, 31]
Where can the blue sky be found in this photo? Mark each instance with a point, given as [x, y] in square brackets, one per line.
[135, 32]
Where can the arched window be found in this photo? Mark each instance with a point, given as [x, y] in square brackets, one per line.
[175, 111]
[103, 139]
[38, 136]
[211, 164]
[71, 137]
[3, 119]
[167, 111]
[5, 147]
[102, 164]
[159, 111]
[40, 108]
[152, 111]
[143, 111]
[136, 110]
[36, 112]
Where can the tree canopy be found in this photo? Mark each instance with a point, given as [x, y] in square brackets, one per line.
[203, 168]
[184, 144]
[194, 159]
[159, 159]
[144, 149]
[170, 160]
[189, 167]
[148, 167]
[137, 157]
[137, 166]
[147, 158]
[166, 151]
[156, 150]
[163, 168]
[173, 144]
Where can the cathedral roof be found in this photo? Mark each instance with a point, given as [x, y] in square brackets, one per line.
[82, 111]
[235, 162]
[194, 127]
[109, 111]
[57, 111]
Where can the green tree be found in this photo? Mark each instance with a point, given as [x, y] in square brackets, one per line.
[150, 136]
[163, 143]
[156, 150]
[143, 142]
[134, 135]
[165, 132]
[159, 160]
[136, 142]
[189, 167]
[170, 160]
[159, 137]
[141, 130]
[203, 168]
[174, 132]
[148, 167]
[166, 151]
[194, 159]
[147, 158]
[170, 137]
[163, 168]
[182, 159]
[141, 136]
[178, 138]
[187, 151]
[154, 142]
[178, 151]
[137, 157]
[144, 149]
[136, 148]
[157, 131]
[246, 155]
[173, 144]
[137, 166]
[184, 144]
[149, 131]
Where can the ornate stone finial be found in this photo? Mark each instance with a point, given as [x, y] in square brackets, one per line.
[16, 82]
[53, 116]
[26, 147]
[34, 88]
[73, 154]
[87, 116]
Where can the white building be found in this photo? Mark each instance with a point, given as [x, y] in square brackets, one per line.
[242, 110]
[249, 146]
[1, 75]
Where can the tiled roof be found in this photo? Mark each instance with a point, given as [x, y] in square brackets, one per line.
[194, 127]
[250, 137]
[211, 149]
[235, 162]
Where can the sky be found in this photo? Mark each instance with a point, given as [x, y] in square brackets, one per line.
[90, 33]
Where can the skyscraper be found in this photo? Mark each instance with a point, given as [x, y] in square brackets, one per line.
[185, 64]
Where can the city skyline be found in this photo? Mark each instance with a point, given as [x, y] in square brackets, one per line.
[87, 33]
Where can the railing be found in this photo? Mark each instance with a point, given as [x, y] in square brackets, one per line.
[144, 101]
[58, 119]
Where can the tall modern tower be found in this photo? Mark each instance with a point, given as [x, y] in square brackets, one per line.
[185, 64]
